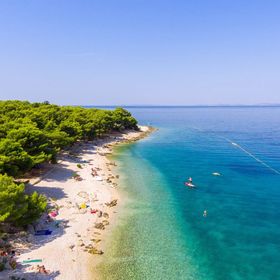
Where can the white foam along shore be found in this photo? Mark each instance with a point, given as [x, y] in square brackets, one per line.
[85, 208]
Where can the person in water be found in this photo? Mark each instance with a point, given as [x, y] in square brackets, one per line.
[205, 213]
[190, 180]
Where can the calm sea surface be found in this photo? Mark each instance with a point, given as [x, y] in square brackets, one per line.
[163, 234]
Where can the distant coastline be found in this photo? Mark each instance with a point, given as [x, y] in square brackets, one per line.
[184, 106]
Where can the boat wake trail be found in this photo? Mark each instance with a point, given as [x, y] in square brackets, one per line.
[244, 150]
[252, 156]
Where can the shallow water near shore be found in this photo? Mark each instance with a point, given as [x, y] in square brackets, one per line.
[162, 233]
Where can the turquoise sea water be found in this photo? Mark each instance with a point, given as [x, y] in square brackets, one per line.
[163, 234]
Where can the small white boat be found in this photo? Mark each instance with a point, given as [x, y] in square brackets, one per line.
[216, 174]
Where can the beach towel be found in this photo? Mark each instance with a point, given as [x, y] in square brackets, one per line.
[53, 214]
[32, 261]
[83, 206]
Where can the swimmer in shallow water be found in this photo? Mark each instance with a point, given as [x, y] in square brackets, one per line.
[205, 213]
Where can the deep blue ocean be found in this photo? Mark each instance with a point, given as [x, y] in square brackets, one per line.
[163, 234]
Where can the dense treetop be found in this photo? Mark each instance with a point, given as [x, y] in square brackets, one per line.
[16, 207]
[32, 133]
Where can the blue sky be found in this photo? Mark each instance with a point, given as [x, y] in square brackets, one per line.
[140, 51]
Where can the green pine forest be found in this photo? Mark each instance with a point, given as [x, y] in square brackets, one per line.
[34, 133]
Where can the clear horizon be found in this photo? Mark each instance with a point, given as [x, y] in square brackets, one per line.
[140, 52]
[195, 105]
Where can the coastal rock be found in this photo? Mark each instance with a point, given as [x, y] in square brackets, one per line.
[95, 240]
[112, 203]
[105, 223]
[106, 215]
[99, 226]
[95, 251]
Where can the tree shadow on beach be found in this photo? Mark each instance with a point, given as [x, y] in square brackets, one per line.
[57, 231]
[57, 228]
[60, 173]
[77, 154]
[30, 275]
[52, 192]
